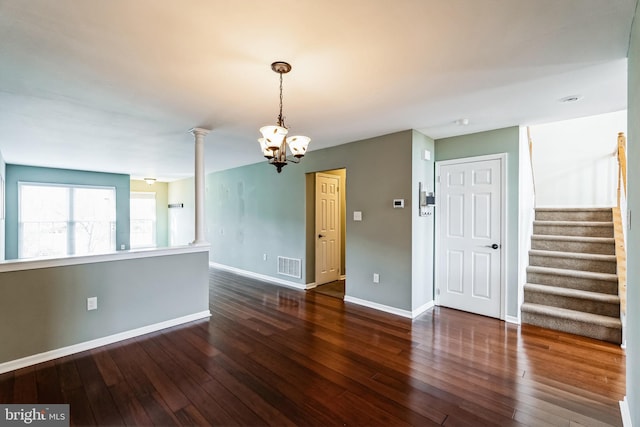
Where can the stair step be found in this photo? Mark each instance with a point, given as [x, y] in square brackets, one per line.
[573, 279]
[573, 299]
[574, 214]
[574, 228]
[573, 261]
[561, 319]
[592, 245]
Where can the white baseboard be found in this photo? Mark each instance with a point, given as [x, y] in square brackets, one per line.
[262, 277]
[99, 342]
[388, 309]
[424, 307]
[625, 413]
[512, 319]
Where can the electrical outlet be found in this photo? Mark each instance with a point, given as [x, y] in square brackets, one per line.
[92, 303]
[376, 278]
[122, 247]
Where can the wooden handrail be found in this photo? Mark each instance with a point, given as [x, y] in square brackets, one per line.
[622, 161]
[533, 180]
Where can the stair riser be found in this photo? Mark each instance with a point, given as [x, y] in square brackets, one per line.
[606, 215]
[578, 304]
[591, 285]
[580, 247]
[573, 264]
[574, 230]
[599, 332]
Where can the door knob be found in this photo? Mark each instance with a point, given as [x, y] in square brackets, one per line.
[494, 246]
[320, 236]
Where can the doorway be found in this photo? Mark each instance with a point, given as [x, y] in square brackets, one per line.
[326, 232]
[470, 234]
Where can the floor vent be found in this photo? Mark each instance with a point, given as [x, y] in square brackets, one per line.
[290, 267]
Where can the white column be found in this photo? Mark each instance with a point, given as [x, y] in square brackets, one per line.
[199, 134]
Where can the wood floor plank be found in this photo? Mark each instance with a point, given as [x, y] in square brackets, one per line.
[108, 368]
[68, 373]
[6, 387]
[48, 383]
[129, 407]
[103, 407]
[157, 410]
[79, 407]
[275, 356]
[191, 416]
[25, 387]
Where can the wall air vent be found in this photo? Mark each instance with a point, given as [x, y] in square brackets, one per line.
[290, 267]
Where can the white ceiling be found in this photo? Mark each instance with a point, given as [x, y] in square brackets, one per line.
[115, 85]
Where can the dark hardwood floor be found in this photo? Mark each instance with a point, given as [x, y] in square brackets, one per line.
[276, 356]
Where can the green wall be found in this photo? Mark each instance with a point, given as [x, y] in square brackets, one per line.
[633, 236]
[494, 142]
[18, 173]
[253, 210]
[2, 204]
[162, 210]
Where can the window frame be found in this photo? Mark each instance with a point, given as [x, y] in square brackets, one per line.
[144, 195]
[71, 220]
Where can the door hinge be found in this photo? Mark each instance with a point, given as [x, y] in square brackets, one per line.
[437, 291]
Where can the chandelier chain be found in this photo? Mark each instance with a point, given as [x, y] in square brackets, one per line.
[280, 117]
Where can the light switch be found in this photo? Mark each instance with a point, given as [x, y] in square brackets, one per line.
[357, 216]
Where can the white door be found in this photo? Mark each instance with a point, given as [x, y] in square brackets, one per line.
[469, 254]
[327, 228]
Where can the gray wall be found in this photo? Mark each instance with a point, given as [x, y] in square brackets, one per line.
[18, 173]
[253, 210]
[494, 142]
[48, 306]
[633, 237]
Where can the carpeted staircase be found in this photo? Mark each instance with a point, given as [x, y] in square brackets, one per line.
[572, 285]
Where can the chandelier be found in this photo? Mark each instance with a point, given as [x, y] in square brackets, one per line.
[274, 139]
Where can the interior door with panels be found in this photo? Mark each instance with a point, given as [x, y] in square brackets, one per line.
[469, 245]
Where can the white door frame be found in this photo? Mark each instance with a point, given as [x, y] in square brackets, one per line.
[502, 157]
[338, 227]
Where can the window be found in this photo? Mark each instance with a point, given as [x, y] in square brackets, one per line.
[61, 220]
[143, 220]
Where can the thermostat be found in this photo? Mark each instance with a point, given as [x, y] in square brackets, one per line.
[398, 203]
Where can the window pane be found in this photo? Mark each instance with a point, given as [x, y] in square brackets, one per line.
[143, 220]
[58, 220]
[94, 204]
[43, 239]
[92, 237]
[43, 203]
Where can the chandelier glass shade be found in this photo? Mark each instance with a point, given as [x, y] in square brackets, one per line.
[274, 139]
